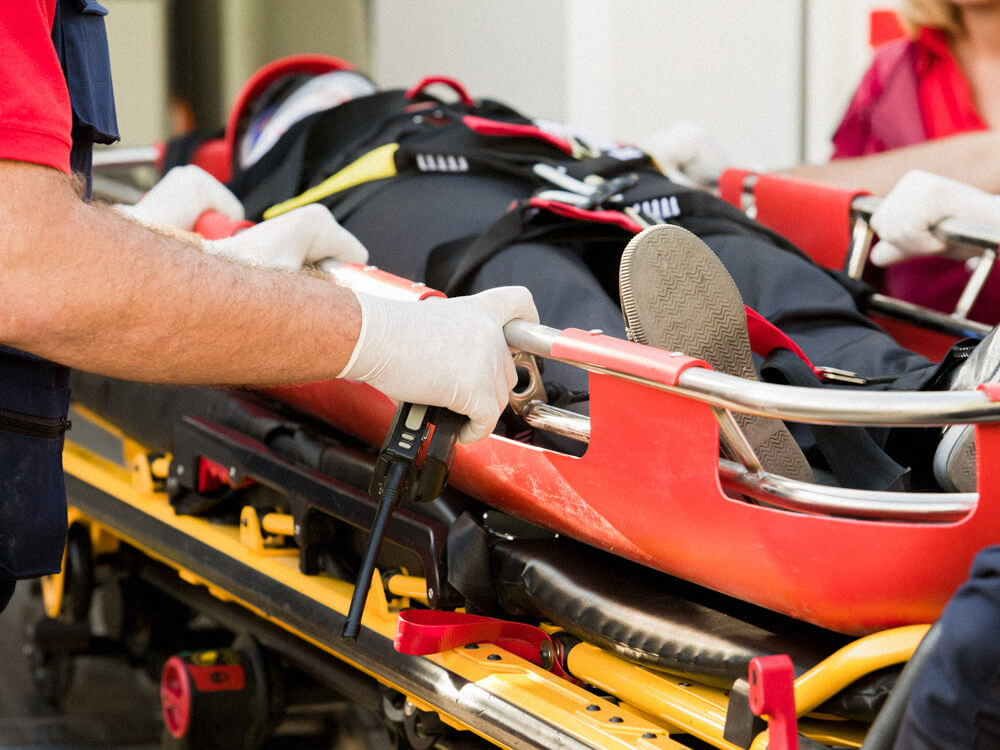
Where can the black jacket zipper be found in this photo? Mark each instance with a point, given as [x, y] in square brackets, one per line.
[32, 426]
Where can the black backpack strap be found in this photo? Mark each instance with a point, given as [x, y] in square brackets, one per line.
[452, 264]
[852, 453]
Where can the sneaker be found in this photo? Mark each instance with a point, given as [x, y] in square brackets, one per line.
[955, 456]
[676, 295]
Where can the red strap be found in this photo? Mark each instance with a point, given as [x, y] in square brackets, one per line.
[450, 82]
[485, 126]
[765, 337]
[215, 225]
[426, 631]
[731, 183]
[625, 221]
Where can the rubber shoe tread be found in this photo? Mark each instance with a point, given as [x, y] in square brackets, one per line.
[676, 295]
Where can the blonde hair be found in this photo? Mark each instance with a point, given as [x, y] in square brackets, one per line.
[930, 14]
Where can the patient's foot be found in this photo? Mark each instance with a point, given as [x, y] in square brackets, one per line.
[677, 295]
[955, 457]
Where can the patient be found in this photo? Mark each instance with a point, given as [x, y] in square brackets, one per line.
[405, 220]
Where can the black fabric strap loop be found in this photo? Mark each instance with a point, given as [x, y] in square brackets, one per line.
[852, 453]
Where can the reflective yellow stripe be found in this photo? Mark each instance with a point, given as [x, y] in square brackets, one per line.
[375, 165]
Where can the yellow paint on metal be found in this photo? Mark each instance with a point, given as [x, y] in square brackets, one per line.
[278, 526]
[521, 683]
[695, 709]
[282, 524]
[408, 587]
[651, 702]
[853, 661]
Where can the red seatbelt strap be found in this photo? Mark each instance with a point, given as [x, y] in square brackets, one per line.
[765, 337]
[570, 211]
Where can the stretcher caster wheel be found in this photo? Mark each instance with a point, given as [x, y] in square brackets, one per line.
[217, 700]
[51, 671]
[423, 729]
[51, 643]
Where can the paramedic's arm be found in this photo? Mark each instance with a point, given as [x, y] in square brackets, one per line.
[973, 158]
[86, 287]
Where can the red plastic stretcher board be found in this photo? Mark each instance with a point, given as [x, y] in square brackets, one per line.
[815, 217]
[648, 489]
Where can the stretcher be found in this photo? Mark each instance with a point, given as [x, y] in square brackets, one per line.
[639, 592]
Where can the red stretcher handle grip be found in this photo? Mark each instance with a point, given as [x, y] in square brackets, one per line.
[213, 225]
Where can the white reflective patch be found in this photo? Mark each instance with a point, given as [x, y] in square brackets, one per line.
[442, 163]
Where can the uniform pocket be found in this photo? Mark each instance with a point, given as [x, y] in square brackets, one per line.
[32, 502]
[34, 400]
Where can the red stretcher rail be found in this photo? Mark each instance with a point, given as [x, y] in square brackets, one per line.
[678, 374]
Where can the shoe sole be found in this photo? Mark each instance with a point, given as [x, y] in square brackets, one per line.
[955, 459]
[689, 303]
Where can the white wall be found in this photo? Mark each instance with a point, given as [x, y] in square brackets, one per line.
[837, 54]
[768, 79]
[137, 39]
[512, 50]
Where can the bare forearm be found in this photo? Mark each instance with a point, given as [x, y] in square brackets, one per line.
[973, 158]
[92, 290]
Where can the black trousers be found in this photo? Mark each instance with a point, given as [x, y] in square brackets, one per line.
[577, 288]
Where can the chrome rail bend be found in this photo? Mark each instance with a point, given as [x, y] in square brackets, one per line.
[817, 499]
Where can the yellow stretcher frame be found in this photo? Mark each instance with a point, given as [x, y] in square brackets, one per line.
[650, 707]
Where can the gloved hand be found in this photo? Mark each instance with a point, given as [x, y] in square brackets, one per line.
[180, 197]
[442, 352]
[905, 217]
[681, 145]
[303, 235]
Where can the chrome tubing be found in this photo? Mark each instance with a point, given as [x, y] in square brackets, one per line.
[840, 406]
[106, 159]
[789, 494]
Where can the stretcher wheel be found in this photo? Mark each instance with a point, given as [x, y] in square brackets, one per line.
[219, 699]
[423, 729]
[51, 671]
[79, 579]
[207, 698]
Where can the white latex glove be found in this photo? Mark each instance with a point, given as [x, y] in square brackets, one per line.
[905, 217]
[303, 235]
[442, 352]
[681, 145]
[181, 196]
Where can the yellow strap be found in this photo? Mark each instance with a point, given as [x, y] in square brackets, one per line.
[377, 164]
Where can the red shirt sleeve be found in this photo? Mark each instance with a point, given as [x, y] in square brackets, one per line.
[35, 116]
